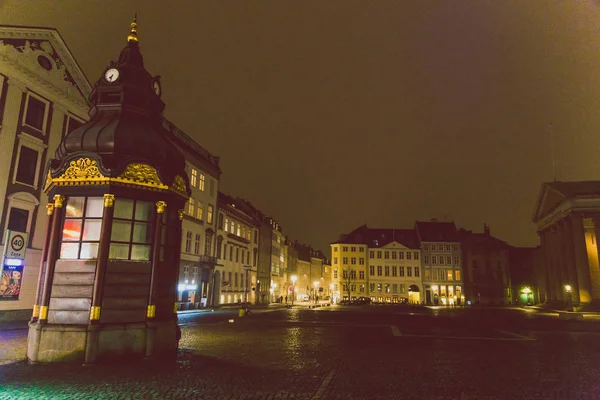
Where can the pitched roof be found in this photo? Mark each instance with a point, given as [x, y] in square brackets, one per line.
[435, 231]
[553, 194]
[571, 189]
[373, 237]
[481, 238]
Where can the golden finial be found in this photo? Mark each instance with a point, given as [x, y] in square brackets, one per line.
[133, 34]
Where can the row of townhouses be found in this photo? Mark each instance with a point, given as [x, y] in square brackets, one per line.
[432, 263]
[230, 251]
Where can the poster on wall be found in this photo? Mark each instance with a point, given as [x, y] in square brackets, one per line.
[10, 282]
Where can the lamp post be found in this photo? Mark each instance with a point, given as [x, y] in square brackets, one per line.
[316, 284]
[569, 290]
[293, 278]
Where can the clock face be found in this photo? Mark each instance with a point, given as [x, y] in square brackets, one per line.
[111, 75]
[156, 87]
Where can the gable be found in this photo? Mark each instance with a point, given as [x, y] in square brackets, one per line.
[547, 201]
[395, 245]
[40, 58]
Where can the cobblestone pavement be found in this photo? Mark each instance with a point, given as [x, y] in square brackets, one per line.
[337, 353]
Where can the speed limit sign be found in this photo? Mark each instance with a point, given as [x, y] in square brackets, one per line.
[15, 244]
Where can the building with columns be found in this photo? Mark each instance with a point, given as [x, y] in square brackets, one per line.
[567, 218]
[43, 97]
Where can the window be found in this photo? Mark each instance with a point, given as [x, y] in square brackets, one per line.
[191, 206]
[371, 270]
[372, 287]
[232, 227]
[456, 260]
[219, 246]
[371, 254]
[353, 260]
[408, 255]
[455, 247]
[244, 232]
[361, 261]
[426, 260]
[417, 272]
[457, 274]
[386, 255]
[17, 220]
[188, 242]
[361, 275]
[426, 247]
[353, 248]
[353, 275]
[35, 116]
[335, 260]
[27, 166]
[345, 260]
[201, 183]
[230, 253]
[72, 124]
[237, 255]
[379, 254]
[335, 274]
[433, 247]
[194, 178]
[255, 237]
[395, 288]
[448, 247]
[433, 260]
[345, 248]
[379, 287]
[197, 244]
[394, 255]
[379, 270]
[335, 249]
[401, 255]
[131, 230]
[345, 274]
[207, 243]
[448, 260]
[200, 211]
[401, 270]
[394, 271]
[427, 274]
[226, 224]
[236, 280]
[81, 227]
[449, 274]
[416, 255]
[402, 288]
[408, 271]
[387, 270]
[209, 215]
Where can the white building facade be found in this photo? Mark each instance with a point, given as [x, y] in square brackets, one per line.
[43, 96]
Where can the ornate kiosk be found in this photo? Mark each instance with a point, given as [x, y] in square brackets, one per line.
[108, 278]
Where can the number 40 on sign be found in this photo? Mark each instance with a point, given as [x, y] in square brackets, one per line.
[15, 244]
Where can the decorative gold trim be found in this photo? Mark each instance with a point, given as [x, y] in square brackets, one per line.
[179, 186]
[84, 171]
[36, 311]
[44, 312]
[180, 213]
[109, 200]
[58, 200]
[49, 209]
[160, 206]
[95, 313]
[132, 37]
[151, 311]
[175, 307]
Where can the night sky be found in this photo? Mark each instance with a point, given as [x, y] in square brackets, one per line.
[331, 114]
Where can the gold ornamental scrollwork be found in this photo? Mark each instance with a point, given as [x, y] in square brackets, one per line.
[143, 174]
[109, 200]
[58, 201]
[180, 213]
[82, 169]
[179, 186]
[49, 209]
[160, 206]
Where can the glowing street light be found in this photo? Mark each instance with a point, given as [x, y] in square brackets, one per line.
[526, 290]
[293, 278]
[568, 288]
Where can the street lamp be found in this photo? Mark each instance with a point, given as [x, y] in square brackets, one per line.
[569, 289]
[316, 283]
[294, 278]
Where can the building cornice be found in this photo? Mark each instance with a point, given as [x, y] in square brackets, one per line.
[569, 206]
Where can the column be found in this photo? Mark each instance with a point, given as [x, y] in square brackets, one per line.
[172, 279]
[160, 209]
[102, 264]
[53, 249]
[594, 264]
[91, 345]
[8, 131]
[43, 260]
[566, 259]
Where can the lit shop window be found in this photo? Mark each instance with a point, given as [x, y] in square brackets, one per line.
[81, 228]
[131, 231]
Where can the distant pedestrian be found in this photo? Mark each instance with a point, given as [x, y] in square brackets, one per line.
[285, 299]
[281, 299]
[177, 335]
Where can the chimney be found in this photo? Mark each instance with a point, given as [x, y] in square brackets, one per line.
[486, 229]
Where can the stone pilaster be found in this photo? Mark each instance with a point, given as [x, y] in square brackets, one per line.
[567, 257]
[8, 131]
[594, 263]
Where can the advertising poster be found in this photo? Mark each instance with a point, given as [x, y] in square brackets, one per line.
[10, 282]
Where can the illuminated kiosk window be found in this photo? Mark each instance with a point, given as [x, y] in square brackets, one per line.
[131, 235]
[81, 228]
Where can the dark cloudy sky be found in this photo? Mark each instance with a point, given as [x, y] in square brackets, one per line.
[331, 114]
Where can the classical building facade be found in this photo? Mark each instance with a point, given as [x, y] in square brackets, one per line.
[382, 264]
[237, 253]
[43, 96]
[567, 216]
[485, 260]
[441, 262]
[198, 246]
